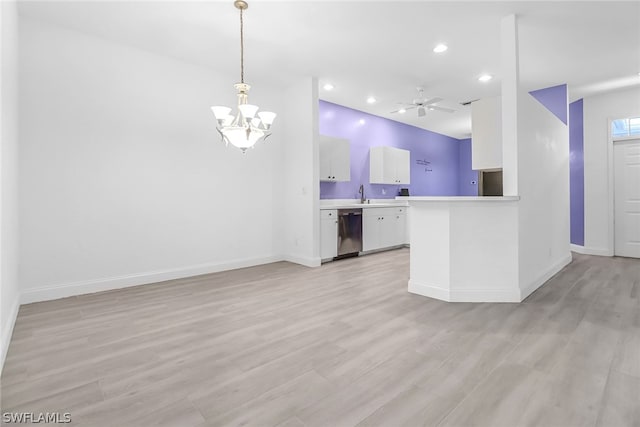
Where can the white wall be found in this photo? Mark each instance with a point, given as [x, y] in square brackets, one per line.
[9, 292]
[543, 182]
[301, 175]
[123, 178]
[598, 110]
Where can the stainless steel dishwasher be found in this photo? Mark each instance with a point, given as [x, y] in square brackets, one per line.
[349, 232]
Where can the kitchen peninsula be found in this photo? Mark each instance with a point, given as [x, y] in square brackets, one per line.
[465, 249]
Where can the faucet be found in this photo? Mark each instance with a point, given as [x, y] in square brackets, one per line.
[361, 191]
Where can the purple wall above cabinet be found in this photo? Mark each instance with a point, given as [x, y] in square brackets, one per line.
[435, 158]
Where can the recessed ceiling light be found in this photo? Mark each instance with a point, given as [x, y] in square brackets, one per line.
[402, 111]
[440, 48]
[371, 100]
[485, 77]
[327, 86]
[361, 121]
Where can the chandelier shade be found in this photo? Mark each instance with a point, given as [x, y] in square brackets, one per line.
[243, 129]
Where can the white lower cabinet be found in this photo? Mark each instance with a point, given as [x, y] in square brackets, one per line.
[328, 234]
[383, 227]
[401, 228]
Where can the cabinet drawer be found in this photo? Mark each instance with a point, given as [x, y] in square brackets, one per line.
[378, 211]
[390, 211]
[328, 214]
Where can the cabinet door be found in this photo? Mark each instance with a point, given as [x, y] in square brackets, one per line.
[370, 230]
[329, 235]
[341, 161]
[376, 165]
[400, 228]
[387, 230]
[403, 166]
[382, 165]
[389, 165]
[325, 159]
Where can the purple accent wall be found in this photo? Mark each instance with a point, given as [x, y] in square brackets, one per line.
[555, 99]
[434, 157]
[576, 171]
[468, 178]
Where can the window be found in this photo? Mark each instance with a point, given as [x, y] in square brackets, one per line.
[624, 128]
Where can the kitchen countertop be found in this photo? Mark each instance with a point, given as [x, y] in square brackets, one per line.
[460, 199]
[405, 201]
[353, 204]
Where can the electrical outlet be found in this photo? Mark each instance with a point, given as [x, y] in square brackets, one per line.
[384, 191]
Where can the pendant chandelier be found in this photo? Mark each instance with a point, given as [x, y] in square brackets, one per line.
[243, 129]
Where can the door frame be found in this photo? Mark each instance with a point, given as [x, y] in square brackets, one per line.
[611, 178]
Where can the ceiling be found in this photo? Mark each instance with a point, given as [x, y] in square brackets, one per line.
[379, 48]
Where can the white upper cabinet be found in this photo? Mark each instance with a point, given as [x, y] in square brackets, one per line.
[335, 159]
[389, 165]
[486, 134]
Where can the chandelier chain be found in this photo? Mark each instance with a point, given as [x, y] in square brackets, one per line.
[241, 48]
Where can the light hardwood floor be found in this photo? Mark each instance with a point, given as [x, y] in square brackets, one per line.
[340, 345]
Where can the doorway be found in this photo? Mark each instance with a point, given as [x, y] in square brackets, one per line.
[627, 198]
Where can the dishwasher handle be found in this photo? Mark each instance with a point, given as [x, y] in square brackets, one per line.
[347, 212]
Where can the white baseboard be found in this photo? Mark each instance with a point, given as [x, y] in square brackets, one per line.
[306, 261]
[7, 331]
[542, 278]
[64, 290]
[464, 295]
[590, 251]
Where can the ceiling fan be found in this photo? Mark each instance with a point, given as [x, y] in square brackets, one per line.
[423, 104]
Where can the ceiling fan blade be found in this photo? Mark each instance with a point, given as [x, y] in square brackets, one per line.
[405, 109]
[443, 109]
[432, 101]
[421, 112]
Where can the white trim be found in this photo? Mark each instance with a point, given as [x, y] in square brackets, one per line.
[542, 278]
[385, 249]
[464, 295]
[610, 177]
[306, 261]
[7, 331]
[486, 295]
[590, 251]
[64, 290]
[611, 188]
[429, 290]
[626, 140]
